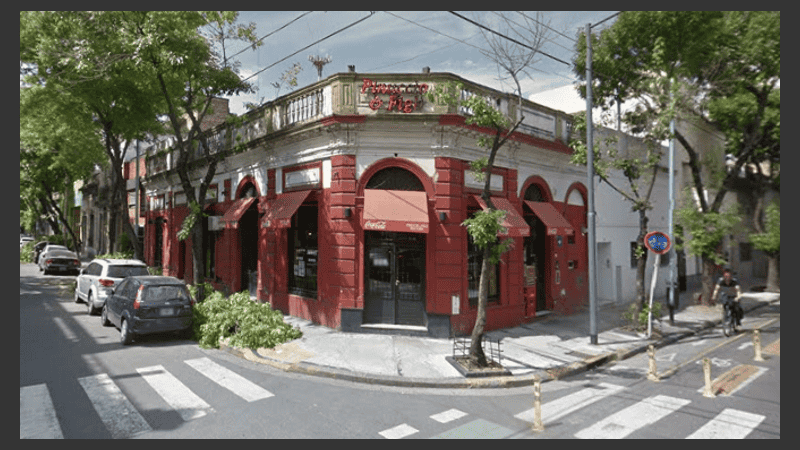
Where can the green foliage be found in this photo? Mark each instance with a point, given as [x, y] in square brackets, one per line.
[25, 253]
[636, 316]
[128, 254]
[707, 230]
[195, 213]
[248, 324]
[483, 227]
[770, 240]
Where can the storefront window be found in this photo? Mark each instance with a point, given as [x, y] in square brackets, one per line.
[474, 275]
[303, 248]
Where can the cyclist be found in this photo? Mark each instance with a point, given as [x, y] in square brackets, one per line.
[729, 285]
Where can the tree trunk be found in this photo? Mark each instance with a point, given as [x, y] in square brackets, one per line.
[641, 263]
[774, 272]
[198, 263]
[476, 344]
[709, 267]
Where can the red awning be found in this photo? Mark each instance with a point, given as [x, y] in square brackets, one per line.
[280, 211]
[404, 211]
[514, 223]
[555, 222]
[236, 211]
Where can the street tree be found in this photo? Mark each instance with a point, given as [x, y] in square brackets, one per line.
[58, 144]
[717, 67]
[78, 54]
[189, 72]
[513, 60]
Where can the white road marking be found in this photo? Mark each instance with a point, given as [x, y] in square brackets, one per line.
[556, 409]
[37, 416]
[230, 380]
[115, 410]
[745, 345]
[448, 416]
[68, 333]
[175, 393]
[729, 424]
[630, 419]
[398, 432]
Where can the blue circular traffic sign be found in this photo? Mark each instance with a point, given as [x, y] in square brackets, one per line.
[657, 242]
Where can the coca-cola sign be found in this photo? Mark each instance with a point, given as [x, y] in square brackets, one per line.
[395, 92]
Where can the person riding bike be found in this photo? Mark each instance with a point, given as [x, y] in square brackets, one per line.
[729, 286]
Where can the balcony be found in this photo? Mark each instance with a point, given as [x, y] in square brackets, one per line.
[354, 95]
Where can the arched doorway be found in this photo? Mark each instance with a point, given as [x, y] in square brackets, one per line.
[394, 259]
[535, 251]
[248, 241]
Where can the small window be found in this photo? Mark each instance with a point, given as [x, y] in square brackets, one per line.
[303, 252]
[475, 261]
[126, 271]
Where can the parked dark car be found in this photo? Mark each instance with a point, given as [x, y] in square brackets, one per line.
[148, 304]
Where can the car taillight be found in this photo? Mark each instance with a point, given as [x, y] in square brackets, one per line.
[49, 261]
[138, 296]
[76, 263]
[105, 282]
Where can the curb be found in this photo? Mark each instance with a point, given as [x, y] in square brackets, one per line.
[509, 381]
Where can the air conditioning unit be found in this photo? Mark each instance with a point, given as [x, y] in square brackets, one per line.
[215, 223]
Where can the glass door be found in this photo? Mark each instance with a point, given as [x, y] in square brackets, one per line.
[394, 278]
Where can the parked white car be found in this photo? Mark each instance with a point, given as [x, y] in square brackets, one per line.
[96, 282]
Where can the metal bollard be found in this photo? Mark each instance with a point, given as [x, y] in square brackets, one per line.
[707, 392]
[757, 345]
[652, 374]
[537, 406]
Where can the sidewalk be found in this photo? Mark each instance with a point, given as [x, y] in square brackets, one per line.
[548, 348]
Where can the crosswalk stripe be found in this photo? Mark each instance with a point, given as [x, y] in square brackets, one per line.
[448, 416]
[556, 409]
[115, 410]
[175, 393]
[729, 424]
[228, 379]
[630, 419]
[37, 416]
[398, 432]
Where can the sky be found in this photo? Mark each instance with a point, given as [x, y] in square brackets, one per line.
[405, 42]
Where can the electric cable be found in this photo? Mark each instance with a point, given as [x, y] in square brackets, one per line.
[270, 34]
[371, 13]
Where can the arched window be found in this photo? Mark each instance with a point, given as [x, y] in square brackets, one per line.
[534, 194]
[395, 179]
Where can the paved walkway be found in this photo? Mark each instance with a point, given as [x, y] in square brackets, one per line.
[549, 348]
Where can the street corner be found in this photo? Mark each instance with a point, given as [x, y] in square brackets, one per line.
[287, 353]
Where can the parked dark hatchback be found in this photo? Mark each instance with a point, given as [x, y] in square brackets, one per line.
[148, 304]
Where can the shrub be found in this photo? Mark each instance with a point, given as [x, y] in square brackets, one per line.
[637, 318]
[248, 324]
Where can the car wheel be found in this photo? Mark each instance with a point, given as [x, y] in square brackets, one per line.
[125, 335]
[90, 305]
[104, 317]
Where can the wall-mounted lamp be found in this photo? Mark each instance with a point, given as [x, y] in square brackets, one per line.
[584, 230]
[348, 212]
[442, 216]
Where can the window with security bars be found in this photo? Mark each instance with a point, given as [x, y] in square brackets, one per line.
[303, 252]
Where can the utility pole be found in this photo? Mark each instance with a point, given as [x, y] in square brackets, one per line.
[590, 175]
[673, 260]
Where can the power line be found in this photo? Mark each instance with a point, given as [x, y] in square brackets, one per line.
[270, 34]
[437, 32]
[510, 39]
[371, 13]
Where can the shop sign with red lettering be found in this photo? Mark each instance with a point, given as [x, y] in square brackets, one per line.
[395, 102]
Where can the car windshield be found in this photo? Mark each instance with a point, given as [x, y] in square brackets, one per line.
[166, 293]
[126, 271]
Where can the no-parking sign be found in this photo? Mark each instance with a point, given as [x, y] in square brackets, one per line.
[658, 242]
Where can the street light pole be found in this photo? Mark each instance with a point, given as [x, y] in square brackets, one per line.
[590, 175]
